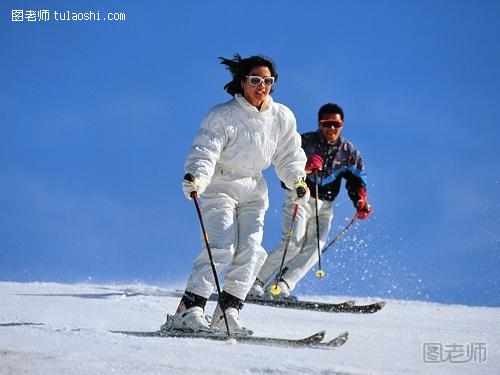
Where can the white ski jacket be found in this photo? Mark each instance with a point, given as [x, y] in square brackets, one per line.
[238, 138]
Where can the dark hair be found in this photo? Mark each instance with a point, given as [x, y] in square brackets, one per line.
[240, 67]
[330, 108]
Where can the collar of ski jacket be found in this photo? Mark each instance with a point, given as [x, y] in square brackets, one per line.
[245, 104]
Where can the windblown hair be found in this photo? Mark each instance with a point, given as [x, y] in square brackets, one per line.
[330, 109]
[240, 68]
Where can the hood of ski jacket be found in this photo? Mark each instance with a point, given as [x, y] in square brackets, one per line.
[237, 137]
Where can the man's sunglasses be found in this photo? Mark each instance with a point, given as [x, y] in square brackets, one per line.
[331, 124]
[256, 80]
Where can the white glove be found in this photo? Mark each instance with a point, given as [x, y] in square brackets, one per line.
[301, 192]
[193, 186]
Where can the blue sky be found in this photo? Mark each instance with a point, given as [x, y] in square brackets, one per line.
[97, 119]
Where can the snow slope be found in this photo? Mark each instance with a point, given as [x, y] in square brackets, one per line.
[50, 328]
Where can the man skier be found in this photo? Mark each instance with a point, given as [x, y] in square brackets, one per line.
[332, 158]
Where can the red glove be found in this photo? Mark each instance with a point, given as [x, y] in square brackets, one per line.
[314, 162]
[363, 209]
[362, 206]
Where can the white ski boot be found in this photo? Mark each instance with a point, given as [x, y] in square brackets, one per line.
[257, 290]
[190, 320]
[285, 291]
[233, 319]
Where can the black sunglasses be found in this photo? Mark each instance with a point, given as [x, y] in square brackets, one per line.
[331, 124]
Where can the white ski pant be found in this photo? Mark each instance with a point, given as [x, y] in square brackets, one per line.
[302, 252]
[233, 209]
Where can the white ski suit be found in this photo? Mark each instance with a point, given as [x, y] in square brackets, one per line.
[234, 144]
[302, 251]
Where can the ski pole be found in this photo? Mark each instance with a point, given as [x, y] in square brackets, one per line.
[275, 289]
[340, 234]
[189, 177]
[319, 273]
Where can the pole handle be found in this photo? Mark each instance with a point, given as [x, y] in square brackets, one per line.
[190, 178]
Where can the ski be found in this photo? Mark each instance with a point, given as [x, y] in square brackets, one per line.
[314, 341]
[291, 303]
[345, 307]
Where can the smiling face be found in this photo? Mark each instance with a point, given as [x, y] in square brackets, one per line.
[331, 126]
[257, 95]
